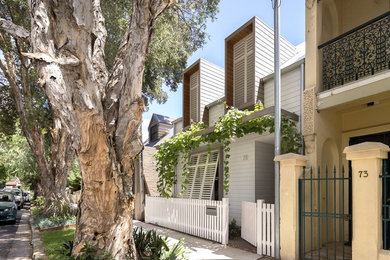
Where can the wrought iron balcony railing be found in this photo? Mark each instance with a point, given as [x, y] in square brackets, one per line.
[357, 53]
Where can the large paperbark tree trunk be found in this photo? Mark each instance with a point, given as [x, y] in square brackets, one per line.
[53, 173]
[104, 112]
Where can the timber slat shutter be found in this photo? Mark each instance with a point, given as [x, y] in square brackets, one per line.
[194, 97]
[203, 169]
[243, 71]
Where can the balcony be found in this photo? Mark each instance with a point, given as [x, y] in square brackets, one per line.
[356, 54]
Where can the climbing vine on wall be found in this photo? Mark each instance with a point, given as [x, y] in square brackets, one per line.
[229, 127]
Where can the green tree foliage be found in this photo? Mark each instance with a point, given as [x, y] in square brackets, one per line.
[178, 33]
[228, 127]
[34, 100]
[74, 177]
[8, 114]
[16, 159]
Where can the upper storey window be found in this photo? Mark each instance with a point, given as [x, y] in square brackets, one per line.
[194, 97]
[243, 72]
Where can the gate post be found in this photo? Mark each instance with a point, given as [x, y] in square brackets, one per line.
[366, 161]
[291, 168]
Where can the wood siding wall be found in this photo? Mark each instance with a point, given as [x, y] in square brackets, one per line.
[215, 112]
[244, 173]
[290, 91]
[264, 51]
[212, 83]
[177, 127]
[211, 87]
[265, 176]
[263, 62]
[162, 130]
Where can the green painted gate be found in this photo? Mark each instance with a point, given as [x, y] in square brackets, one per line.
[325, 215]
[386, 205]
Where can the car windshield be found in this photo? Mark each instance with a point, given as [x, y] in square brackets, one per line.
[13, 191]
[16, 192]
[6, 197]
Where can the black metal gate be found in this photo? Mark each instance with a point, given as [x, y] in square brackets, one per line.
[386, 205]
[324, 215]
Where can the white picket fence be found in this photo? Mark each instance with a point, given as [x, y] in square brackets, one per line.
[257, 226]
[203, 218]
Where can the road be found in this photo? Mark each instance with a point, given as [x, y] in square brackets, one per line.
[15, 238]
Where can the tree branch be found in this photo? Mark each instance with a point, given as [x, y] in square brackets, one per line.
[62, 60]
[13, 29]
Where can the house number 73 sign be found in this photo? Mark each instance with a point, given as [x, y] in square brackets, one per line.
[363, 174]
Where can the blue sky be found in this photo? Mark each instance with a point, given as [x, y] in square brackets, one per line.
[232, 14]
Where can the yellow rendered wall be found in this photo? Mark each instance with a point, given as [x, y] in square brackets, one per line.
[340, 16]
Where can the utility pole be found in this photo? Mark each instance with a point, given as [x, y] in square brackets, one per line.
[276, 6]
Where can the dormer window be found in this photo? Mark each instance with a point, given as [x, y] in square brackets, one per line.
[159, 127]
[194, 97]
[203, 83]
[250, 57]
[243, 72]
[153, 133]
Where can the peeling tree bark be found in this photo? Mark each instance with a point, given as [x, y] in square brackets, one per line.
[103, 112]
[53, 173]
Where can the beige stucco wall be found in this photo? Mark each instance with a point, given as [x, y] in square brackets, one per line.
[367, 158]
[339, 16]
[327, 132]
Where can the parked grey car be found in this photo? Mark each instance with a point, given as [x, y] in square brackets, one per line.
[19, 199]
[8, 207]
[26, 196]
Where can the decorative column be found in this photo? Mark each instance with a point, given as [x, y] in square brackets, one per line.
[291, 168]
[367, 159]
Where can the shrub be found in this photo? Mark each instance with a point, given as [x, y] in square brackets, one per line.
[36, 211]
[88, 252]
[39, 201]
[46, 222]
[234, 229]
[151, 245]
[66, 248]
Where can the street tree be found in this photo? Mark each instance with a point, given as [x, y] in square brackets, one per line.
[49, 142]
[102, 106]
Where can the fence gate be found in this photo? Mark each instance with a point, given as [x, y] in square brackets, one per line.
[248, 222]
[386, 204]
[257, 226]
[324, 215]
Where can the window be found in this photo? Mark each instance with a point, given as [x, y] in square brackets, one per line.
[203, 170]
[153, 133]
[243, 71]
[194, 97]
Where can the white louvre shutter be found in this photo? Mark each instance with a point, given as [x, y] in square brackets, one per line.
[239, 73]
[194, 102]
[203, 170]
[243, 71]
[209, 175]
[192, 169]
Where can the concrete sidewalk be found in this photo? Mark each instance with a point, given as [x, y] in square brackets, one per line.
[199, 248]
